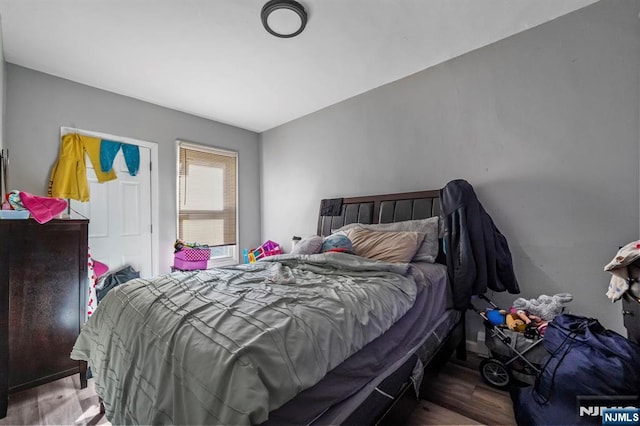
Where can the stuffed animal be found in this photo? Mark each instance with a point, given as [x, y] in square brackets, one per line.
[545, 307]
[515, 323]
[523, 316]
[496, 316]
[179, 245]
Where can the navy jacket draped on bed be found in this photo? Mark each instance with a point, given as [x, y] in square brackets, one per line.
[477, 253]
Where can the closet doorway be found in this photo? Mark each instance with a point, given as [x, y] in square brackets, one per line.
[120, 212]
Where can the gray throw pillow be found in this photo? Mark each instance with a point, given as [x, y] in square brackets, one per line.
[308, 245]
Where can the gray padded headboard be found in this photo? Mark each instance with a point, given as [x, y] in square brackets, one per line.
[385, 208]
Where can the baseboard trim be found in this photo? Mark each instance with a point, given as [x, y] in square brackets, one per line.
[478, 346]
[472, 346]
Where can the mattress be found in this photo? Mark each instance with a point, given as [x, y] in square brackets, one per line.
[230, 345]
[418, 334]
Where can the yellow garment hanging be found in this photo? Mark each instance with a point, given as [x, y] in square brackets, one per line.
[69, 174]
[92, 148]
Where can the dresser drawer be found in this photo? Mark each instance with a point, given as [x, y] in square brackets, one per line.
[631, 317]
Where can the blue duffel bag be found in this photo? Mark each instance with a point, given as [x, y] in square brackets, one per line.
[587, 366]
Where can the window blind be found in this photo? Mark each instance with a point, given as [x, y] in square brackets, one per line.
[207, 194]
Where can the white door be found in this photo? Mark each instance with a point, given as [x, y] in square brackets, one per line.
[119, 213]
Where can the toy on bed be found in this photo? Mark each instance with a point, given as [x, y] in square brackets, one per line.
[268, 248]
[337, 243]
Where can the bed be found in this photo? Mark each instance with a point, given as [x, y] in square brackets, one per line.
[293, 339]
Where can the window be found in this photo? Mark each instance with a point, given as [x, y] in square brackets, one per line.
[207, 199]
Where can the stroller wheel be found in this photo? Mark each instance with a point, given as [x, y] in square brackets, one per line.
[495, 373]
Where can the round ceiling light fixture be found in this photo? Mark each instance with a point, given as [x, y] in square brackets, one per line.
[284, 18]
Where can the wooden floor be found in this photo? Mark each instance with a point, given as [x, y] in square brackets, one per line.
[57, 403]
[457, 396]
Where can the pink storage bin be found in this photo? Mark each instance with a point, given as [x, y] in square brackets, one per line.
[186, 265]
[191, 259]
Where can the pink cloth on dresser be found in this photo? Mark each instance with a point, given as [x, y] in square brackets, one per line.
[42, 209]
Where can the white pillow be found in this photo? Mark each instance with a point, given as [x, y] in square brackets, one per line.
[428, 250]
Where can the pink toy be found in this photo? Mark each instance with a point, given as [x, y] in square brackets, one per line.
[268, 248]
[99, 268]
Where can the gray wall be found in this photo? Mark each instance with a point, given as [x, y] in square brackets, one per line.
[38, 104]
[544, 125]
[3, 85]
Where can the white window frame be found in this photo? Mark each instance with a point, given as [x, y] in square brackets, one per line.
[230, 257]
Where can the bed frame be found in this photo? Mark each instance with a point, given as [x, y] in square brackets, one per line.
[385, 208]
[388, 208]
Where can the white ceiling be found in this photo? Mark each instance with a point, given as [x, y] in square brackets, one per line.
[213, 58]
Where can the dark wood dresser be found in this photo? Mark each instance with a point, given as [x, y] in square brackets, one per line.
[43, 287]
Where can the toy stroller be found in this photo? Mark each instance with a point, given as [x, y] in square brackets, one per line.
[513, 354]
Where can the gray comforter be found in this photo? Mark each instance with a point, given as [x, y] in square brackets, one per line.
[228, 345]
